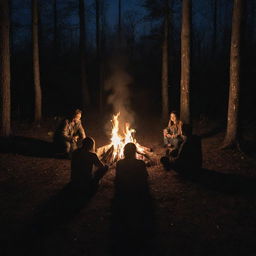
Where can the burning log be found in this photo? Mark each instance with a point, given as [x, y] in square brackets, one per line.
[112, 152]
[145, 148]
[106, 156]
[148, 158]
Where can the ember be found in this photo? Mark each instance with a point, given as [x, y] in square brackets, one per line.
[112, 152]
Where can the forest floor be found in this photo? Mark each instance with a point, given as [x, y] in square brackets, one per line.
[211, 216]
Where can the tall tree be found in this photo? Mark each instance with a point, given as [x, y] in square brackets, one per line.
[119, 21]
[214, 35]
[82, 47]
[131, 21]
[97, 10]
[55, 28]
[5, 128]
[98, 52]
[185, 63]
[165, 64]
[36, 64]
[102, 55]
[234, 83]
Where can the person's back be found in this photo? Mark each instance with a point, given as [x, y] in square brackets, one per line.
[132, 221]
[190, 156]
[82, 162]
[82, 166]
[131, 177]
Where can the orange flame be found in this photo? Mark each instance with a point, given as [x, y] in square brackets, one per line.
[120, 139]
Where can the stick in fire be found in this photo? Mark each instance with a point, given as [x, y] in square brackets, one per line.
[112, 152]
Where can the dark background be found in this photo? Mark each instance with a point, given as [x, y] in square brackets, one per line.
[210, 215]
[138, 56]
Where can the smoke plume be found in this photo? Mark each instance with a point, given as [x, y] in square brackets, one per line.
[118, 85]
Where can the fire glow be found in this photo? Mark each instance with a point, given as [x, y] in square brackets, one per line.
[114, 151]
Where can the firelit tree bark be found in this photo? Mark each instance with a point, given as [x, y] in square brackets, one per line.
[165, 66]
[36, 64]
[82, 47]
[233, 102]
[185, 63]
[5, 128]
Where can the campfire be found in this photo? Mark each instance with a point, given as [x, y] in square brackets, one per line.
[112, 152]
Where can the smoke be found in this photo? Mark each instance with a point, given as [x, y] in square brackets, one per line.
[118, 85]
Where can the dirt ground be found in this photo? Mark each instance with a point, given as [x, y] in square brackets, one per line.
[214, 215]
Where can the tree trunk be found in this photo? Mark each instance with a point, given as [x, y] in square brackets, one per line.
[5, 69]
[120, 22]
[165, 67]
[36, 65]
[82, 46]
[55, 36]
[102, 55]
[98, 57]
[185, 64]
[97, 4]
[233, 102]
[214, 35]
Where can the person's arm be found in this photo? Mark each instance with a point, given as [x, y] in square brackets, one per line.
[145, 169]
[81, 131]
[117, 177]
[65, 132]
[97, 162]
[167, 132]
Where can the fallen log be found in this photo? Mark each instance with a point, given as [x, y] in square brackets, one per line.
[106, 156]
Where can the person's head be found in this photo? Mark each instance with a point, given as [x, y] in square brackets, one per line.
[77, 115]
[130, 150]
[88, 144]
[174, 116]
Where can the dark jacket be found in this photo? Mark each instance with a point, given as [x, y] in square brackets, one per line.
[68, 129]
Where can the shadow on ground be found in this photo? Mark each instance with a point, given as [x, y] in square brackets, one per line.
[27, 146]
[133, 225]
[49, 218]
[224, 182]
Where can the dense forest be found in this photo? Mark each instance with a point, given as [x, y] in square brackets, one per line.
[72, 185]
[82, 46]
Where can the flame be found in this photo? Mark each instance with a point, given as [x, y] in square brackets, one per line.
[119, 138]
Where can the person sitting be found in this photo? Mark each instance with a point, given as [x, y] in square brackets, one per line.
[131, 173]
[132, 219]
[173, 136]
[69, 134]
[189, 158]
[82, 162]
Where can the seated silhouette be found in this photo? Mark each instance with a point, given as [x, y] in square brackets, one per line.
[82, 162]
[188, 164]
[132, 205]
[131, 174]
[189, 158]
[62, 207]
